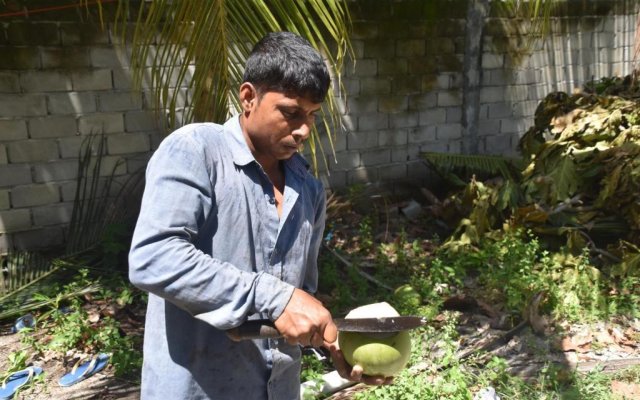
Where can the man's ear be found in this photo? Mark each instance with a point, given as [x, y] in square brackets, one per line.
[248, 96]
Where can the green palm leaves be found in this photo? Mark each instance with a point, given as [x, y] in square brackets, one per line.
[203, 45]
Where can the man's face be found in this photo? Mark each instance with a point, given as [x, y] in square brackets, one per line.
[275, 125]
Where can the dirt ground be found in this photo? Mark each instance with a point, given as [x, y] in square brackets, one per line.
[103, 385]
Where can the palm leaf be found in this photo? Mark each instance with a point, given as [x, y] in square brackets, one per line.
[506, 167]
[19, 270]
[203, 45]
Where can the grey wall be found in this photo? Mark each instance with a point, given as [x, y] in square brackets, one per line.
[62, 78]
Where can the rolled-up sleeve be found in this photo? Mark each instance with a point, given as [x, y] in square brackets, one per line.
[163, 260]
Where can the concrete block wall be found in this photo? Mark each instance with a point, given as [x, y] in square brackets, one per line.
[404, 87]
[587, 40]
[403, 90]
[62, 79]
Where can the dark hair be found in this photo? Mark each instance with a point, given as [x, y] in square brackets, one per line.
[286, 63]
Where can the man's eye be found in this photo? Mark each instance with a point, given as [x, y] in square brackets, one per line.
[288, 114]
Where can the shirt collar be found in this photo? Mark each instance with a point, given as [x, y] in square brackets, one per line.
[242, 155]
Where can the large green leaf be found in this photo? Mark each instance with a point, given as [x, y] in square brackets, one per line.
[565, 179]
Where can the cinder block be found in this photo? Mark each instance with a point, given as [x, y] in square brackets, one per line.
[364, 30]
[119, 101]
[364, 68]
[351, 86]
[393, 137]
[488, 127]
[5, 203]
[9, 82]
[13, 129]
[101, 123]
[379, 48]
[403, 154]
[346, 160]
[34, 195]
[405, 85]
[393, 104]
[94, 79]
[82, 33]
[492, 94]
[23, 105]
[362, 140]
[136, 121]
[449, 98]
[11, 175]
[68, 190]
[55, 171]
[113, 166]
[422, 134]
[454, 114]
[423, 101]
[70, 146]
[110, 57]
[19, 58]
[32, 150]
[128, 143]
[368, 122]
[392, 66]
[497, 144]
[403, 120]
[56, 214]
[392, 172]
[334, 180]
[122, 79]
[65, 57]
[375, 86]
[71, 103]
[410, 48]
[3, 155]
[52, 127]
[14, 220]
[512, 125]
[375, 157]
[447, 132]
[362, 175]
[37, 239]
[492, 61]
[500, 110]
[27, 33]
[433, 116]
[362, 104]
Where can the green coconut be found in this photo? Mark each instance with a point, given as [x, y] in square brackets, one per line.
[377, 354]
[407, 295]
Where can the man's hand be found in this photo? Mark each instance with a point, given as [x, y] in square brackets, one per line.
[355, 373]
[305, 321]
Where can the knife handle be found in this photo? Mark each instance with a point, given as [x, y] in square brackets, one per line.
[254, 329]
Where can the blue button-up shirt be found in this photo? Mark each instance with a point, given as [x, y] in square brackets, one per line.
[211, 251]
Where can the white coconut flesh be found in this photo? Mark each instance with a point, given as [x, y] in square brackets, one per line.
[385, 354]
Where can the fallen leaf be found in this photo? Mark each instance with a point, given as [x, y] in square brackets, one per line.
[94, 317]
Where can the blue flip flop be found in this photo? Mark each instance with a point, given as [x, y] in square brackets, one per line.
[17, 380]
[81, 372]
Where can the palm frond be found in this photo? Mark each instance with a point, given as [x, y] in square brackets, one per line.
[507, 168]
[203, 45]
[21, 269]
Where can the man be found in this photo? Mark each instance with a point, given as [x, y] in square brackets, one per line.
[229, 229]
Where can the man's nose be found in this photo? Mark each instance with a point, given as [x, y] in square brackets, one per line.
[302, 132]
